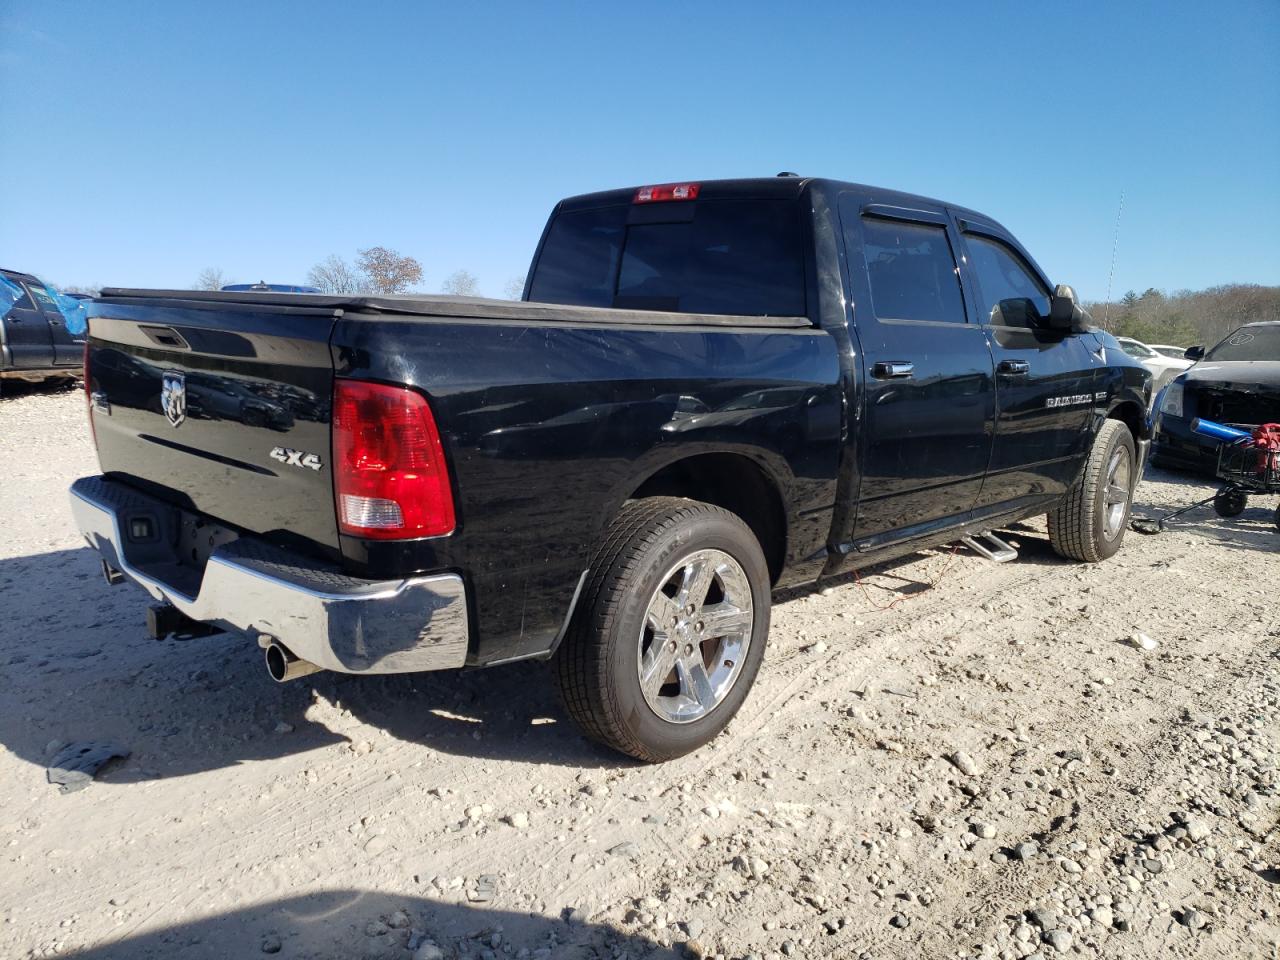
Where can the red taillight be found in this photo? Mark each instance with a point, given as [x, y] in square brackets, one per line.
[667, 191]
[390, 478]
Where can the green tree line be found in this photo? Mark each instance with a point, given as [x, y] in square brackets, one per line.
[1187, 317]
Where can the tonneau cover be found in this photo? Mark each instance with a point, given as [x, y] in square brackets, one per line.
[446, 306]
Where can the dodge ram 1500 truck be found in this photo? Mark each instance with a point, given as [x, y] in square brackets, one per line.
[710, 390]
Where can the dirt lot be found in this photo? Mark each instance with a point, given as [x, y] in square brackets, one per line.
[989, 768]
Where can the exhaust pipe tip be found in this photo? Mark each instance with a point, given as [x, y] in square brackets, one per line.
[284, 666]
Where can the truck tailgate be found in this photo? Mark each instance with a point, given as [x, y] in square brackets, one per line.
[221, 409]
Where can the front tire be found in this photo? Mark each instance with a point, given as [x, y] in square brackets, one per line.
[670, 631]
[1090, 522]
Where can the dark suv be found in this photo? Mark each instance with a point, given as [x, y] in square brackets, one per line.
[35, 343]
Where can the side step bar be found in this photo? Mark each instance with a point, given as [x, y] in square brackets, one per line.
[995, 549]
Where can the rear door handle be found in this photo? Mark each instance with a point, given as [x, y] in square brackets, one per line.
[1013, 368]
[893, 370]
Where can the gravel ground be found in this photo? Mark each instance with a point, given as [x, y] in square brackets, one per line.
[999, 766]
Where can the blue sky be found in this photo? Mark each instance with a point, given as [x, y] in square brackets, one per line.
[143, 141]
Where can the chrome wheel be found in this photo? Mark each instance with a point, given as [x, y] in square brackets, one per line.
[1115, 498]
[695, 637]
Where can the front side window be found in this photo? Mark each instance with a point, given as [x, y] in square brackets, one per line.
[1008, 291]
[740, 257]
[911, 270]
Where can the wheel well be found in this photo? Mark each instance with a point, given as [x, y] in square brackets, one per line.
[1131, 416]
[733, 482]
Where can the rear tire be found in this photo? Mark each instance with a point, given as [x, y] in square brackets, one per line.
[1090, 522]
[670, 630]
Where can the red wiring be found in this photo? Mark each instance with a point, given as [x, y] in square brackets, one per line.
[903, 599]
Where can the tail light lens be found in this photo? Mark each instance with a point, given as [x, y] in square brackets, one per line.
[390, 477]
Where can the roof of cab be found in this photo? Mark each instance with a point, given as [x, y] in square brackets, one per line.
[758, 188]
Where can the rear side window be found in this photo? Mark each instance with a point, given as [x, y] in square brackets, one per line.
[1002, 276]
[739, 257]
[912, 271]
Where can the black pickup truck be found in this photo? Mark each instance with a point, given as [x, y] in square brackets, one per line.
[710, 390]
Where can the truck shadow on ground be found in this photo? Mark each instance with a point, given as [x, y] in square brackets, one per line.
[75, 664]
[349, 923]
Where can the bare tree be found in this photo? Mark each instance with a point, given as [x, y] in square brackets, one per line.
[388, 271]
[513, 289]
[210, 278]
[335, 275]
[461, 283]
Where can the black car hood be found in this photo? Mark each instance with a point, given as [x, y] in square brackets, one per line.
[1261, 377]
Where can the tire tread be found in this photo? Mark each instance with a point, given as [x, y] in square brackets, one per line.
[1071, 526]
[582, 675]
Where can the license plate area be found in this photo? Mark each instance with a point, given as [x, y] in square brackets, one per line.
[197, 538]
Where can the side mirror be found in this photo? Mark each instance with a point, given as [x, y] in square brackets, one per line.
[1065, 313]
[1016, 312]
[1194, 353]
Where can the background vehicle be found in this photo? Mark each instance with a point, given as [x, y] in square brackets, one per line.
[1236, 383]
[1170, 351]
[35, 343]
[263, 287]
[1163, 368]
[690, 412]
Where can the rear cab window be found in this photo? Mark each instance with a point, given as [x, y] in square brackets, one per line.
[739, 257]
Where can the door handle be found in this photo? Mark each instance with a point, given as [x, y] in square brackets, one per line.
[893, 370]
[1013, 368]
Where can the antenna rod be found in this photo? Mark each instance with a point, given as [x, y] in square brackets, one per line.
[1106, 311]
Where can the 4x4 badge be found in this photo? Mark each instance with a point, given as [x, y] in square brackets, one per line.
[173, 397]
[296, 458]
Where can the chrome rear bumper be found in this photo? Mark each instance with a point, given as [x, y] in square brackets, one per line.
[320, 614]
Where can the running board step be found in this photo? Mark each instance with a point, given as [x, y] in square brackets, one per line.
[995, 549]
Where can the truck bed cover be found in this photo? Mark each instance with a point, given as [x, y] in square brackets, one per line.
[426, 305]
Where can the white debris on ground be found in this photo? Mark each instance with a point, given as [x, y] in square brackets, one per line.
[1031, 760]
